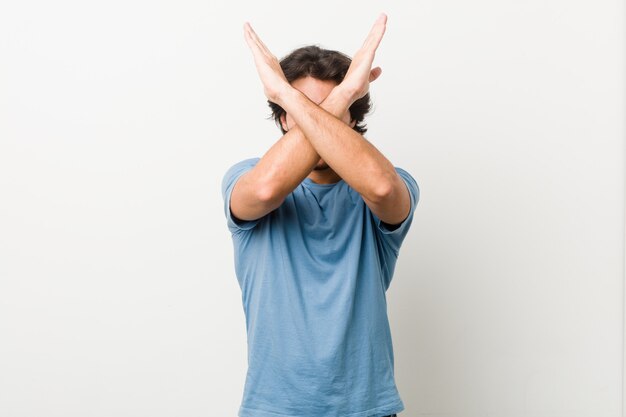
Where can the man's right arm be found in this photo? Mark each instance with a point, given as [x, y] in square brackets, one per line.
[283, 167]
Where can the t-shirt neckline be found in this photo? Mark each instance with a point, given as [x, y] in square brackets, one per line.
[309, 181]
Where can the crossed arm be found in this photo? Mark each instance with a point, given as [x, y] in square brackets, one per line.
[320, 132]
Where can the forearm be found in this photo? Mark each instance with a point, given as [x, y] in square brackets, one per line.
[352, 157]
[278, 172]
[281, 169]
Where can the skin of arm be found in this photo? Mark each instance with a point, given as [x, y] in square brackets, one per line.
[281, 169]
[353, 158]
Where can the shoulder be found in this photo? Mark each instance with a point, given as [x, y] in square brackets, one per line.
[243, 164]
[410, 182]
[237, 169]
[405, 174]
[228, 183]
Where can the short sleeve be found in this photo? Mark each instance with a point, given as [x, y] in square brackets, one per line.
[228, 183]
[393, 238]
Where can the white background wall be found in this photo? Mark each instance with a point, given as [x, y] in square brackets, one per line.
[118, 120]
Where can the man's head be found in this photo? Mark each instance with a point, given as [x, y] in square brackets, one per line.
[327, 66]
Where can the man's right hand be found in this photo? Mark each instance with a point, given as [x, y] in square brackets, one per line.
[360, 73]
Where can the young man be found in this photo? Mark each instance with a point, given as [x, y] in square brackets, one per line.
[317, 225]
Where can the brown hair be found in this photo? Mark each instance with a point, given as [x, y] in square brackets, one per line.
[322, 64]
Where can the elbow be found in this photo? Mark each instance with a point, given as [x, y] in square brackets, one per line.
[267, 196]
[264, 194]
[382, 191]
[387, 188]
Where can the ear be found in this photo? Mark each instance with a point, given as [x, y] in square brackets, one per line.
[352, 123]
[283, 121]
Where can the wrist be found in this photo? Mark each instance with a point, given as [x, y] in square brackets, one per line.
[338, 104]
[345, 93]
[285, 95]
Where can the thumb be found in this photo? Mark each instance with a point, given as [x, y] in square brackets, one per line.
[375, 73]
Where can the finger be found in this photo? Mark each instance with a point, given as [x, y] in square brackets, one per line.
[376, 33]
[246, 34]
[258, 54]
[253, 45]
[259, 50]
[253, 35]
[378, 30]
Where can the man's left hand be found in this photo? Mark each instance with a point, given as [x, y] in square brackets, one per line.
[275, 84]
